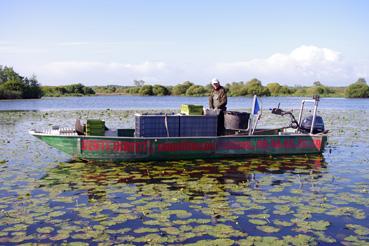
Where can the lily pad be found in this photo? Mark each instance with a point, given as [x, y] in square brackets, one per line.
[258, 221]
[358, 229]
[268, 229]
[46, 229]
[299, 240]
[62, 235]
[145, 230]
[282, 223]
[216, 242]
[259, 241]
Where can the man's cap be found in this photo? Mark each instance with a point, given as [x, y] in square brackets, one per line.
[215, 81]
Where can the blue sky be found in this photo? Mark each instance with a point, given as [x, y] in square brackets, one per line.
[167, 42]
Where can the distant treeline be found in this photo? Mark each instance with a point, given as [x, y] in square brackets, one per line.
[14, 86]
[67, 90]
[359, 89]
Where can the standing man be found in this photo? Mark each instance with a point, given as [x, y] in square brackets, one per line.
[218, 96]
[218, 100]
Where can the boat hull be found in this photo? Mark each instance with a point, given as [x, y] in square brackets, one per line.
[104, 148]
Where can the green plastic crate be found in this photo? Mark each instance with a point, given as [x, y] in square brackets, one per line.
[95, 127]
[99, 132]
[92, 122]
[190, 109]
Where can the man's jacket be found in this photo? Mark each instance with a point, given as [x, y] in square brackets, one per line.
[218, 99]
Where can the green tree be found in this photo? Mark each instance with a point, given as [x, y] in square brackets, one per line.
[196, 90]
[146, 90]
[285, 90]
[300, 91]
[134, 90]
[67, 90]
[88, 90]
[138, 83]
[359, 89]
[13, 86]
[361, 81]
[8, 74]
[254, 87]
[121, 90]
[11, 89]
[160, 90]
[274, 88]
[61, 90]
[317, 83]
[236, 89]
[319, 89]
[74, 88]
[32, 88]
[180, 89]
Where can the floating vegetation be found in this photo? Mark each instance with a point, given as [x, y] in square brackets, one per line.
[45, 198]
[348, 211]
[46, 229]
[268, 229]
[358, 229]
[258, 222]
[216, 242]
[282, 223]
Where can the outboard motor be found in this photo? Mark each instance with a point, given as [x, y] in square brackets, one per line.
[306, 124]
[303, 125]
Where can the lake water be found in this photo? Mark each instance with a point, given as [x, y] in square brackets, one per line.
[167, 102]
[46, 198]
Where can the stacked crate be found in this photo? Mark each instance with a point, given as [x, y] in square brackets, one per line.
[156, 125]
[191, 122]
[204, 125]
[95, 127]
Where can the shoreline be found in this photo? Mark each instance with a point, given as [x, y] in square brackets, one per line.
[182, 96]
[166, 103]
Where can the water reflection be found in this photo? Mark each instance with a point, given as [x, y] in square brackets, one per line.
[186, 176]
[292, 198]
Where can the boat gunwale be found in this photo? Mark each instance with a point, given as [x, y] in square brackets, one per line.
[187, 137]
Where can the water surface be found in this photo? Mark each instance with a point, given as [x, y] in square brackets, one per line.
[166, 102]
[45, 197]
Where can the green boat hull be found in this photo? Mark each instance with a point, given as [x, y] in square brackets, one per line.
[104, 148]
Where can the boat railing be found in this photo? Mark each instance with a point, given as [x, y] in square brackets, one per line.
[315, 100]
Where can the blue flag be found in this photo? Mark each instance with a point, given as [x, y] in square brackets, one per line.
[255, 106]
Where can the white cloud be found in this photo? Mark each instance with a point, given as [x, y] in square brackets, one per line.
[303, 65]
[9, 48]
[115, 44]
[72, 43]
[93, 73]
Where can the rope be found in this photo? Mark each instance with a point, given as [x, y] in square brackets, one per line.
[166, 124]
